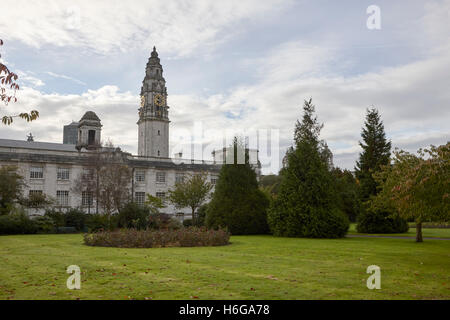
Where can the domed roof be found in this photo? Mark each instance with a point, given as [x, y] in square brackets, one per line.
[91, 116]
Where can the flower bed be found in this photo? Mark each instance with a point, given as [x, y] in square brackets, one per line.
[132, 238]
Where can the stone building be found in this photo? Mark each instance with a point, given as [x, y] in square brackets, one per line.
[54, 168]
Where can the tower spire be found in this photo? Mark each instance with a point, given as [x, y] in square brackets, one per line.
[153, 120]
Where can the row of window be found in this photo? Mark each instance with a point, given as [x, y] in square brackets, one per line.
[38, 173]
[87, 198]
[140, 176]
[64, 174]
[139, 197]
[161, 177]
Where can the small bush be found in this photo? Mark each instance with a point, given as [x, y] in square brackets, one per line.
[327, 224]
[96, 222]
[57, 217]
[375, 220]
[133, 215]
[17, 223]
[44, 224]
[200, 216]
[159, 221]
[66, 230]
[133, 238]
[187, 223]
[75, 218]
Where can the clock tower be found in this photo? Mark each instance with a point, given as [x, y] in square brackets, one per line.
[153, 139]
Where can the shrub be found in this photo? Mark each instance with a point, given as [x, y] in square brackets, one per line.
[57, 217]
[96, 222]
[376, 220]
[17, 223]
[187, 223]
[44, 224]
[133, 238]
[310, 222]
[133, 215]
[327, 224]
[75, 218]
[66, 230]
[159, 221]
[200, 216]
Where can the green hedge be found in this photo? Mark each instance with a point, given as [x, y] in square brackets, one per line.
[375, 220]
[132, 238]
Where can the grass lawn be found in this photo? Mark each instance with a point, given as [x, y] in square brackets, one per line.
[426, 232]
[252, 267]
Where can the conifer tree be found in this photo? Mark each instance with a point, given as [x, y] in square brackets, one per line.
[307, 205]
[376, 153]
[237, 202]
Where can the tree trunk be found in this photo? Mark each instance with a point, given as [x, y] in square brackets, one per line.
[419, 232]
[193, 216]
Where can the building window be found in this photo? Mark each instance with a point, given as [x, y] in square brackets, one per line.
[139, 198]
[140, 176]
[179, 177]
[62, 197]
[32, 193]
[161, 177]
[161, 195]
[91, 137]
[36, 173]
[214, 180]
[63, 174]
[158, 153]
[159, 133]
[87, 199]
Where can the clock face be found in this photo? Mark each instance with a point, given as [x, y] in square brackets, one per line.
[142, 101]
[158, 100]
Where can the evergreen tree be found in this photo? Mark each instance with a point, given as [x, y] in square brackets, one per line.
[307, 205]
[376, 152]
[237, 203]
[348, 193]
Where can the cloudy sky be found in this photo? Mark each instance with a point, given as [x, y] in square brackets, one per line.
[233, 65]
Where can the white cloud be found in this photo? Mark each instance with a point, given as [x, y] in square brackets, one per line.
[28, 78]
[177, 27]
[62, 76]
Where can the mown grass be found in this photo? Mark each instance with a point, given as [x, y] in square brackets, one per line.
[426, 232]
[252, 267]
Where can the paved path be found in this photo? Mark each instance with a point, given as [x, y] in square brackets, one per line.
[390, 237]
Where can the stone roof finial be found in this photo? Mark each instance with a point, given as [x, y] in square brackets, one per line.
[154, 53]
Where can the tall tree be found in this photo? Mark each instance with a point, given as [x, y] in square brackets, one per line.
[376, 153]
[8, 88]
[417, 185]
[307, 205]
[11, 186]
[348, 192]
[192, 192]
[237, 202]
[106, 178]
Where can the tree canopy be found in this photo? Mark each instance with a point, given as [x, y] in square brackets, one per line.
[307, 204]
[376, 151]
[417, 185]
